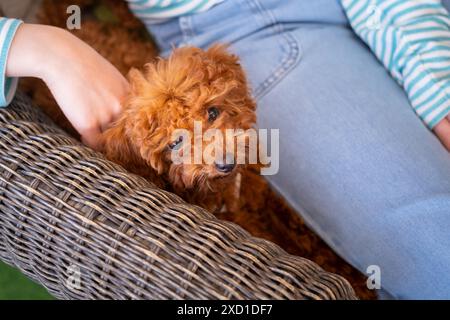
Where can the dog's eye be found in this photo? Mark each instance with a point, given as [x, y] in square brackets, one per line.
[213, 113]
[176, 144]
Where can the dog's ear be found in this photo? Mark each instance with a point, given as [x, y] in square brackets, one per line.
[135, 140]
[131, 146]
[116, 145]
[146, 134]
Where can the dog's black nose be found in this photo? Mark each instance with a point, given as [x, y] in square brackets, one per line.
[224, 167]
[227, 165]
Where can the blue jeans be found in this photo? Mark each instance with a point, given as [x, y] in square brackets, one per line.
[355, 160]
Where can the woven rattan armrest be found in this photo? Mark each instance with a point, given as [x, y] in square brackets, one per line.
[67, 214]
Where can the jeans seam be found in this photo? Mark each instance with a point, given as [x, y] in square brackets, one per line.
[289, 60]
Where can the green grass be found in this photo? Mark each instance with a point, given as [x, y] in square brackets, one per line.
[14, 285]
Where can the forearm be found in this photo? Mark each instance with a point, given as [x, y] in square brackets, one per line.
[37, 51]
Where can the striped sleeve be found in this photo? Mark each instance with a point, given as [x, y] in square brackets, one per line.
[156, 11]
[412, 40]
[8, 28]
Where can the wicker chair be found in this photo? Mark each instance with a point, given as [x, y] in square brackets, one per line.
[65, 208]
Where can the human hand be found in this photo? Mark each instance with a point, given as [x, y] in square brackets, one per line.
[88, 89]
[442, 131]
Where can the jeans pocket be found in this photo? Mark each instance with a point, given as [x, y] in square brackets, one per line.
[291, 56]
[269, 53]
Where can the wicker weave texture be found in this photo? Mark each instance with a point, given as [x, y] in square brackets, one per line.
[64, 209]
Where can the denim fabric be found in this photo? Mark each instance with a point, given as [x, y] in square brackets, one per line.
[355, 160]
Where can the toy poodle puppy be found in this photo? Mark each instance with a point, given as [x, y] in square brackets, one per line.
[192, 85]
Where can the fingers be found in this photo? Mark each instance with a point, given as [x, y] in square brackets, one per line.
[442, 131]
[113, 115]
[91, 138]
